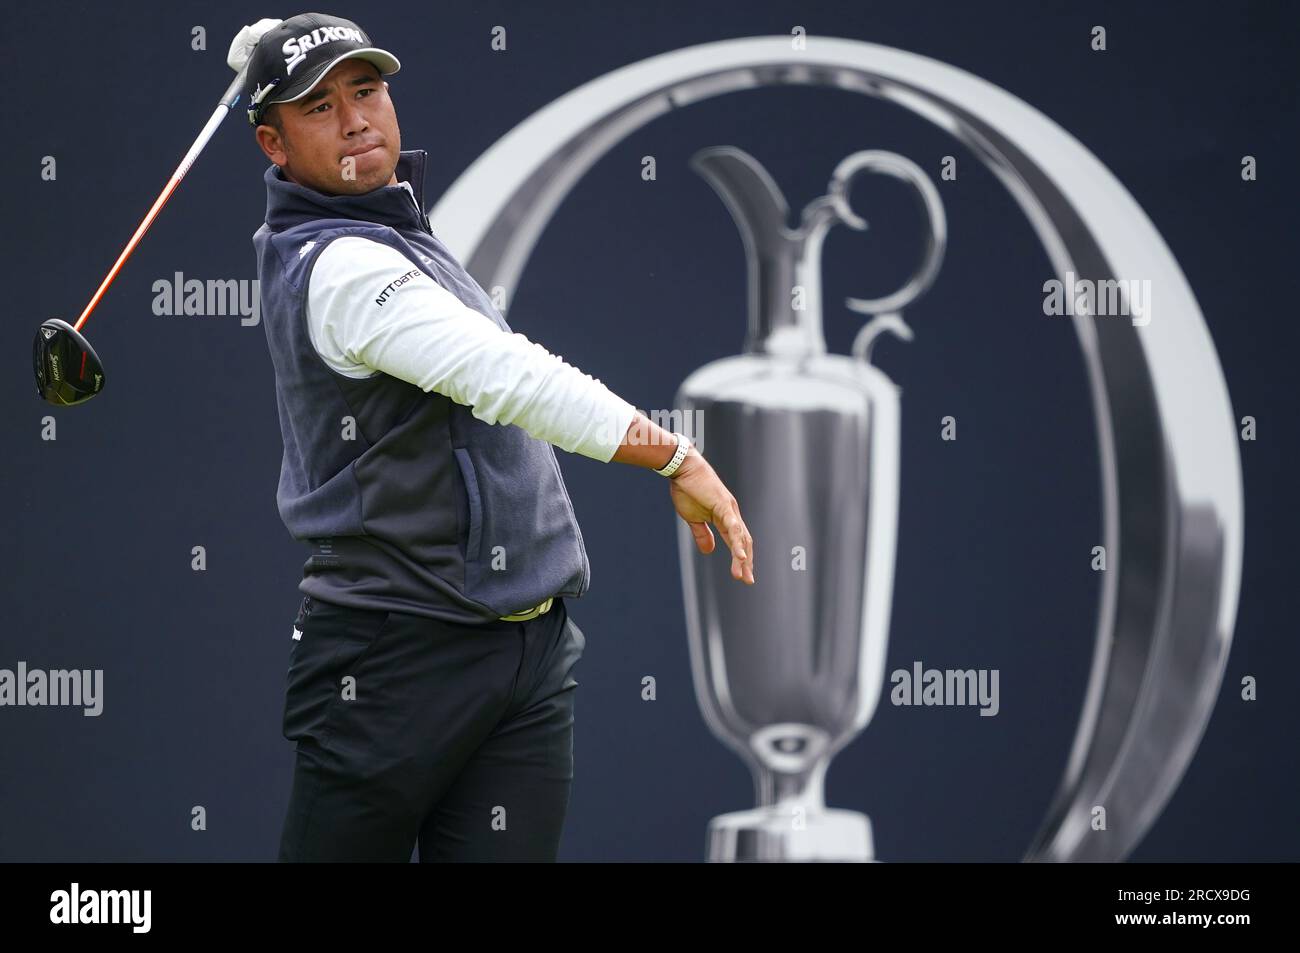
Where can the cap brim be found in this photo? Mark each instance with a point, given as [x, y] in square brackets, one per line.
[385, 61]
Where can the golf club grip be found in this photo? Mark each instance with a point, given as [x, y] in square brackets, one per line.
[228, 100]
[231, 95]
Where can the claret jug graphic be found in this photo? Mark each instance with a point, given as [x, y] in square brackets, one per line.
[789, 670]
[803, 438]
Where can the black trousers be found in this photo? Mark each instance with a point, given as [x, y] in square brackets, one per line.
[409, 730]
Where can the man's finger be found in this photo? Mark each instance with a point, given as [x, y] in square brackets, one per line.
[736, 534]
[741, 545]
[703, 537]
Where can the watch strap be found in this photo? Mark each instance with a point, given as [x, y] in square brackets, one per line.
[683, 448]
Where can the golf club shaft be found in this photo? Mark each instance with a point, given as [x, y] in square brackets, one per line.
[228, 100]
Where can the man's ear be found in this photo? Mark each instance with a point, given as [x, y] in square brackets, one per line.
[271, 144]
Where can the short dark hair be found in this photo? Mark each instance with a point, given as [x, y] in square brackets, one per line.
[271, 117]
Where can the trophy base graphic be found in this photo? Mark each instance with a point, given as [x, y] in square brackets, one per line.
[784, 835]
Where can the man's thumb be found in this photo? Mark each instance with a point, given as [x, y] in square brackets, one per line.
[703, 537]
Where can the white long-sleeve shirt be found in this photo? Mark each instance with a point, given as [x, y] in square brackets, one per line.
[370, 310]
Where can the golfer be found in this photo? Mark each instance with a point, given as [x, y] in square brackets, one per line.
[430, 690]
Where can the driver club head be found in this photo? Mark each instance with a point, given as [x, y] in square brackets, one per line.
[67, 369]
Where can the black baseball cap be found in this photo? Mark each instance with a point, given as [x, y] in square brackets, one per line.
[290, 59]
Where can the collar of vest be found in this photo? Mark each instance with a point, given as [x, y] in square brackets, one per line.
[289, 204]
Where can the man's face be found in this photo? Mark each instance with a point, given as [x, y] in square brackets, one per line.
[324, 132]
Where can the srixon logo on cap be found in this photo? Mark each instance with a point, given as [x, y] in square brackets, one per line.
[295, 49]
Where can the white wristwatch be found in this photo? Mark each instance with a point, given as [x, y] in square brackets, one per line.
[683, 448]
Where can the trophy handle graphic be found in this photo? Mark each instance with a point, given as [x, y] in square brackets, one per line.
[1170, 465]
[866, 339]
[888, 311]
[936, 235]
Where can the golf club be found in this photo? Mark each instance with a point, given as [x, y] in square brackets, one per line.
[68, 371]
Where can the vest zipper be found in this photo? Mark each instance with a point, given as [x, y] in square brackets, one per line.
[424, 219]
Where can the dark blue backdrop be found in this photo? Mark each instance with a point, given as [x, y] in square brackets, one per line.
[637, 283]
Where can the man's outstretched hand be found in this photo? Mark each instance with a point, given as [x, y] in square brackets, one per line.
[700, 498]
